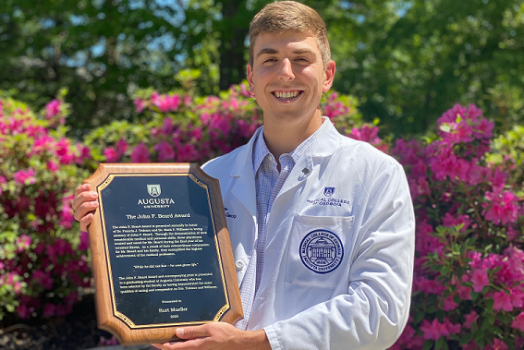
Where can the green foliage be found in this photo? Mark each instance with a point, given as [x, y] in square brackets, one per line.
[404, 60]
[508, 152]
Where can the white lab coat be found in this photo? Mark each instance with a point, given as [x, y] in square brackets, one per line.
[364, 302]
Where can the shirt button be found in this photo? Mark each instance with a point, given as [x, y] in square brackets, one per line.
[270, 158]
[239, 265]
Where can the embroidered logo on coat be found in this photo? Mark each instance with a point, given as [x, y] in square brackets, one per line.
[329, 191]
[321, 251]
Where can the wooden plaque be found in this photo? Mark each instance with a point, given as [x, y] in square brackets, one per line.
[161, 253]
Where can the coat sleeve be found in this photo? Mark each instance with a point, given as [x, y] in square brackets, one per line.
[375, 309]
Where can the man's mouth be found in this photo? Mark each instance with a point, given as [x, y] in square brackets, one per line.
[287, 95]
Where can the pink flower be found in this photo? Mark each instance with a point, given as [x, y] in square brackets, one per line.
[497, 345]
[449, 220]
[52, 108]
[517, 297]
[501, 207]
[167, 103]
[366, 133]
[483, 129]
[512, 233]
[62, 247]
[167, 126]
[187, 153]
[25, 177]
[23, 242]
[464, 292]
[84, 153]
[502, 301]
[139, 105]
[52, 166]
[434, 329]
[165, 151]
[480, 280]
[470, 319]
[63, 152]
[23, 311]
[472, 345]
[140, 154]
[111, 154]
[42, 278]
[518, 322]
[121, 147]
[449, 304]
[49, 310]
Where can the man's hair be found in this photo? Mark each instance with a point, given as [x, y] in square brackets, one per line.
[280, 16]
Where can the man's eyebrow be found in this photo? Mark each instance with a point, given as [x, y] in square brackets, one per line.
[267, 51]
[303, 51]
[270, 51]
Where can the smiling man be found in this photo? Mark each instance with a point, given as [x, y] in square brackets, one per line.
[321, 226]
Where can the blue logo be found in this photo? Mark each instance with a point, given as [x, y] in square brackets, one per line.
[329, 191]
[321, 251]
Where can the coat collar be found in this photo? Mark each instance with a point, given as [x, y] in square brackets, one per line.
[324, 144]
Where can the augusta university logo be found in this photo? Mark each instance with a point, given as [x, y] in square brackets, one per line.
[321, 251]
[154, 190]
[329, 191]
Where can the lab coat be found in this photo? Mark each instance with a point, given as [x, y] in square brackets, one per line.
[349, 189]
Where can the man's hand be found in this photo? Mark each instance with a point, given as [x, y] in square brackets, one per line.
[84, 205]
[217, 336]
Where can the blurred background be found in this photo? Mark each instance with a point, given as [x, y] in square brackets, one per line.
[405, 61]
[90, 81]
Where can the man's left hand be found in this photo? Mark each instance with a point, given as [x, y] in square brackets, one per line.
[217, 336]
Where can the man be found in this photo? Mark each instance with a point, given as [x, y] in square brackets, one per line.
[322, 229]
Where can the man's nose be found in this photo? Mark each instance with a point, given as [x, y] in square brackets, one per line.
[286, 70]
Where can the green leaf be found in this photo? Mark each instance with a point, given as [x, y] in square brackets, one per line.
[428, 344]
[419, 316]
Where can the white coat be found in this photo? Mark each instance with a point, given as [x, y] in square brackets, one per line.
[352, 190]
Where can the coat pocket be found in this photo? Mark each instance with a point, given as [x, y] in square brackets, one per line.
[318, 253]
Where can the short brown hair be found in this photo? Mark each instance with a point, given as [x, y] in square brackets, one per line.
[280, 16]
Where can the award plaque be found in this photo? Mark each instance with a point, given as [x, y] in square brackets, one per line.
[161, 253]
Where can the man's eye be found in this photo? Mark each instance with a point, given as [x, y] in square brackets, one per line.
[270, 60]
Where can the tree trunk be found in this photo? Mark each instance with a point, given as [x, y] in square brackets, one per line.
[233, 34]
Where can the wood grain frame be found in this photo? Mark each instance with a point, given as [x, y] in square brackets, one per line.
[117, 323]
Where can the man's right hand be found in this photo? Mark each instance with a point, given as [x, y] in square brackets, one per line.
[84, 205]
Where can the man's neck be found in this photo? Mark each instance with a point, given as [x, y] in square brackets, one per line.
[284, 136]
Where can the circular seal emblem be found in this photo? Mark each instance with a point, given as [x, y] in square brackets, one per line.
[321, 251]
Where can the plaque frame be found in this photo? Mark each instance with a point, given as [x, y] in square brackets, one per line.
[108, 317]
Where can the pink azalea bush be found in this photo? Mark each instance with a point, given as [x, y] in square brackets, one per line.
[43, 260]
[179, 127]
[468, 289]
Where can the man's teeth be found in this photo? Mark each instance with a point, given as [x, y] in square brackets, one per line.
[286, 94]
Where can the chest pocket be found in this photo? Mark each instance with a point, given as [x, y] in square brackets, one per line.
[318, 253]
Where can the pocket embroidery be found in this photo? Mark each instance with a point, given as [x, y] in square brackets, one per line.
[321, 251]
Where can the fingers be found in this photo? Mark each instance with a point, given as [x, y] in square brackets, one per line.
[86, 221]
[192, 332]
[181, 345]
[84, 203]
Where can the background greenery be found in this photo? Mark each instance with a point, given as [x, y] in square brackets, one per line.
[405, 61]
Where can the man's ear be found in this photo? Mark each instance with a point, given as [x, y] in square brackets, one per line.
[329, 73]
[249, 71]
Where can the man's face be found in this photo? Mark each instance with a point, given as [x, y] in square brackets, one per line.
[288, 76]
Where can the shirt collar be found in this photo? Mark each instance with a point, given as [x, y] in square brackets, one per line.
[260, 150]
